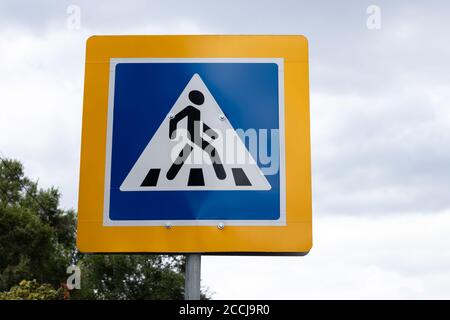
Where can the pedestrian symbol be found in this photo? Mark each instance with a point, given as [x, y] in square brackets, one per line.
[195, 148]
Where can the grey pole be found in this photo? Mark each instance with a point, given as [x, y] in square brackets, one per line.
[192, 277]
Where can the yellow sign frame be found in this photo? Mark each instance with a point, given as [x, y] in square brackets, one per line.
[294, 237]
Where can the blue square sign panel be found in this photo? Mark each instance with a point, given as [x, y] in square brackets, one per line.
[195, 142]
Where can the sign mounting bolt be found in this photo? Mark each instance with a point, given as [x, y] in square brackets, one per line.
[168, 225]
[171, 116]
[220, 226]
[221, 117]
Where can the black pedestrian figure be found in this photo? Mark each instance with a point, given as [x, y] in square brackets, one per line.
[193, 116]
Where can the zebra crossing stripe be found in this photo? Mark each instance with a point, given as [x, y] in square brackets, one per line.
[240, 178]
[151, 179]
[196, 177]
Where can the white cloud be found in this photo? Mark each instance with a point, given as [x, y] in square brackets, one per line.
[388, 257]
[41, 84]
[382, 153]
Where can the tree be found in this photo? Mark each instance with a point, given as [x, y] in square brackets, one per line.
[37, 243]
[36, 237]
[122, 276]
[32, 290]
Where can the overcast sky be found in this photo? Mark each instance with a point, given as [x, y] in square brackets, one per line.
[380, 124]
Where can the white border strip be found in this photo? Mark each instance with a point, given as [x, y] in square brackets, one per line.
[282, 170]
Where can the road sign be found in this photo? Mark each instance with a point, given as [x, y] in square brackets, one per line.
[195, 144]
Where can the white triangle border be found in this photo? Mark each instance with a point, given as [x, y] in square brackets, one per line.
[256, 183]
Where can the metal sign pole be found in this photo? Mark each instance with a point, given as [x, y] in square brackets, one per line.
[192, 276]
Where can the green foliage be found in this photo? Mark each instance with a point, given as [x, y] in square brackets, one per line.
[121, 277]
[37, 241]
[31, 290]
[36, 237]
